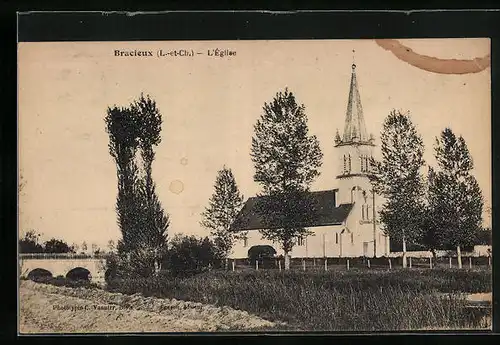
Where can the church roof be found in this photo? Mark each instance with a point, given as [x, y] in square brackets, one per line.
[354, 129]
[327, 213]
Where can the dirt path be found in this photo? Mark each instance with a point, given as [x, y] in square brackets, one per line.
[51, 309]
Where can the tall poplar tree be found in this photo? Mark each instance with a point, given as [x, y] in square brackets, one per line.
[223, 207]
[156, 221]
[133, 133]
[286, 160]
[399, 180]
[455, 198]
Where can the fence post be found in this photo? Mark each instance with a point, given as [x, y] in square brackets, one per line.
[368, 263]
[430, 262]
[257, 265]
[390, 264]
[348, 264]
[279, 265]
[304, 264]
[326, 264]
[470, 262]
[233, 265]
[450, 261]
[410, 260]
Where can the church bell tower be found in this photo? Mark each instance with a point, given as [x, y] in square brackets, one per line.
[354, 149]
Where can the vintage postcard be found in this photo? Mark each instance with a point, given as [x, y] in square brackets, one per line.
[254, 186]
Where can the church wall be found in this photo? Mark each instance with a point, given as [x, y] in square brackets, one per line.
[360, 223]
[325, 241]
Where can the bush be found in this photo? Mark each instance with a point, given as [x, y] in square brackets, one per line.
[264, 254]
[190, 255]
[62, 281]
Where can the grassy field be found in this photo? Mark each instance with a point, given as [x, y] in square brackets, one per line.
[334, 300]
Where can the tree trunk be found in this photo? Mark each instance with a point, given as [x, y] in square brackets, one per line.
[459, 257]
[404, 252]
[287, 261]
[434, 254]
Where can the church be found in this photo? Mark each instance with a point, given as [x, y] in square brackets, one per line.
[347, 216]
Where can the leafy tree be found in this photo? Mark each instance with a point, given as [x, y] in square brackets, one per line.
[286, 160]
[74, 247]
[431, 237]
[156, 221]
[111, 246]
[398, 179]
[30, 243]
[133, 132]
[57, 246]
[483, 237]
[190, 255]
[224, 205]
[84, 247]
[454, 195]
[121, 125]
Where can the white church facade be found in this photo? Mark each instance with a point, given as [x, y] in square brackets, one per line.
[344, 225]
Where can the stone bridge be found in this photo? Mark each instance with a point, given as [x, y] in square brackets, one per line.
[92, 267]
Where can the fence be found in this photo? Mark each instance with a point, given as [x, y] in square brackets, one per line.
[335, 263]
[56, 256]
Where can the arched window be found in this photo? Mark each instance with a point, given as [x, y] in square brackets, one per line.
[363, 212]
[345, 165]
[352, 238]
[245, 242]
[368, 210]
[349, 163]
[361, 158]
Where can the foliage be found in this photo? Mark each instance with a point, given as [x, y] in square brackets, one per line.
[156, 221]
[141, 217]
[61, 281]
[30, 243]
[398, 179]
[264, 254]
[286, 160]
[189, 255]
[57, 246]
[483, 237]
[224, 205]
[454, 195]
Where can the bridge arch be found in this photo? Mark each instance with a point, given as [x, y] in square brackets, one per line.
[71, 266]
[39, 273]
[79, 273]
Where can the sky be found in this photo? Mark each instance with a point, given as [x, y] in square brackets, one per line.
[209, 106]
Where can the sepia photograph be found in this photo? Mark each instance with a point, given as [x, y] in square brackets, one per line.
[254, 186]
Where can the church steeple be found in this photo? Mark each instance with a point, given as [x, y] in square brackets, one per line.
[354, 129]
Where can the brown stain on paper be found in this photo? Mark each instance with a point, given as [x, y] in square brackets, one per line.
[176, 187]
[432, 64]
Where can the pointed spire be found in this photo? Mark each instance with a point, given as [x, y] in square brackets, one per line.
[354, 122]
[338, 139]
